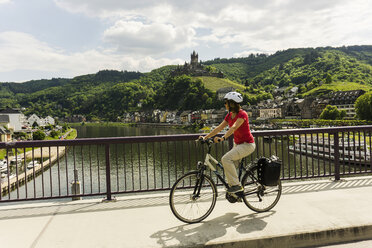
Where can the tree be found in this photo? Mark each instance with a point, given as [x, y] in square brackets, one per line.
[330, 113]
[211, 69]
[20, 135]
[302, 89]
[363, 106]
[183, 93]
[38, 135]
[328, 79]
[53, 134]
[65, 127]
[343, 114]
[312, 85]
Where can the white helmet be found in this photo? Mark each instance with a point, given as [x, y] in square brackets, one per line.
[234, 96]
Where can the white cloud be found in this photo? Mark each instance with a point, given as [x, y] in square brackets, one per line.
[5, 1]
[20, 51]
[266, 25]
[148, 39]
[101, 8]
[140, 34]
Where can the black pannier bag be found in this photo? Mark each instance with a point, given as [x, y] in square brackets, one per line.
[269, 170]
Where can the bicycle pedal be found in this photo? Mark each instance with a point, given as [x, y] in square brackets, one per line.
[237, 197]
[232, 198]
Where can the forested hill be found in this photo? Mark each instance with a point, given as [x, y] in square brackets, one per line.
[109, 94]
[324, 59]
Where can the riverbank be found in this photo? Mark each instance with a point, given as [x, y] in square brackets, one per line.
[41, 159]
[15, 180]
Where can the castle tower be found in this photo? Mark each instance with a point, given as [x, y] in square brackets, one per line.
[194, 59]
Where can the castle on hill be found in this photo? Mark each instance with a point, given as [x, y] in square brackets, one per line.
[195, 68]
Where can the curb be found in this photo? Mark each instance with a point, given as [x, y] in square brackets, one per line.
[301, 240]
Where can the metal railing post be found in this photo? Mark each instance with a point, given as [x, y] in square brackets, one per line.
[108, 172]
[337, 156]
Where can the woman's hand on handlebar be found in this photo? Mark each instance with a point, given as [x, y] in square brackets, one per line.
[209, 140]
[203, 140]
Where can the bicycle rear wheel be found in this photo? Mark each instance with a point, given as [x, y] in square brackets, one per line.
[258, 197]
[192, 199]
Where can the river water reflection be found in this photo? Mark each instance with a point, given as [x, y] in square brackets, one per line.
[89, 131]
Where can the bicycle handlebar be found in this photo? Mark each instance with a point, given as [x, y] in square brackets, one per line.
[206, 141]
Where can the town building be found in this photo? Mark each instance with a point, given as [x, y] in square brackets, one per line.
[306, 111]
[16, 118]
[34, 119]
[186, 117]
[49, 120]
[5, 121]
[5, 134]
[345, 100]
[270, 113]
[252, 111]
[317, 106]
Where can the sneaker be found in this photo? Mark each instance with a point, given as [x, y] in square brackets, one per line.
[235, 189]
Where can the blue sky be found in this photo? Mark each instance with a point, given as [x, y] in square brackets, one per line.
[65, 38]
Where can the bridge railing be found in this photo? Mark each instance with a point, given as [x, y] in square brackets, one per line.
[105, 167]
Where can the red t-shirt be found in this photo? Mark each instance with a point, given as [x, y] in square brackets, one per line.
[243, 133]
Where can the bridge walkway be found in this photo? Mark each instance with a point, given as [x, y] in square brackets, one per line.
[309, 214]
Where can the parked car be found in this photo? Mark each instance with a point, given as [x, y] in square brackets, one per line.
[32, 164]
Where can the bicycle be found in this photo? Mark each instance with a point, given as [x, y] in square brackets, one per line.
[194, 195]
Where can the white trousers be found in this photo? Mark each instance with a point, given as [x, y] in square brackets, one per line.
[232, 158]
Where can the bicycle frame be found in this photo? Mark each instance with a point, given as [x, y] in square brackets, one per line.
[208, 161]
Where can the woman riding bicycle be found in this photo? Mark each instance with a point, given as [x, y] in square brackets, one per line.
[244, 145]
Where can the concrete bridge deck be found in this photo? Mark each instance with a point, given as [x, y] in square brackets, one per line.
[309, 214]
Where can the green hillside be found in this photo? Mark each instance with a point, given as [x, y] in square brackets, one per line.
[214, 83]
[337, 86]
[299, 71]
[300, 66]
[243, 69]
[108, 94]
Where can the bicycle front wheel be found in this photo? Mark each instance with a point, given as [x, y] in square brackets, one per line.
[258, 197]
[193, 197]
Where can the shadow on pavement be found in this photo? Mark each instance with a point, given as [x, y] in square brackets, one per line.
[200, 233]
[315, 186]
[81, 207]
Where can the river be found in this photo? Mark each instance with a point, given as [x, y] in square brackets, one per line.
[137, 166]
[91, 168]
